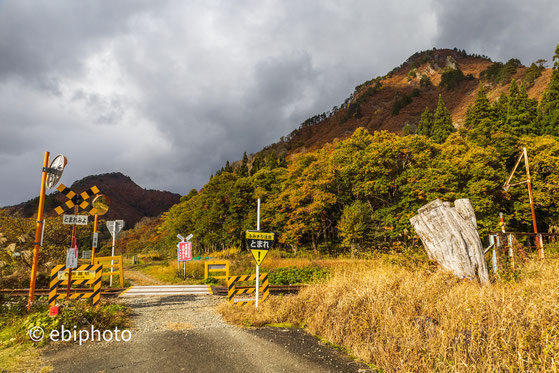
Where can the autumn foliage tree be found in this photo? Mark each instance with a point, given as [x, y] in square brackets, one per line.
[361, 191]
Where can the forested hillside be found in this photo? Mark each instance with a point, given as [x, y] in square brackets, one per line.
[361, 191]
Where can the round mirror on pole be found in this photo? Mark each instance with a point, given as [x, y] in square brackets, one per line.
[101, 204]
[57, 167]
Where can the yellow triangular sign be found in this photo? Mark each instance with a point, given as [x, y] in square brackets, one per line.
[259, 255]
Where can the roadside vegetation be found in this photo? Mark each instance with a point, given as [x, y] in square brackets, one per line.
[282, 269]
[401, 318]
[18, 353]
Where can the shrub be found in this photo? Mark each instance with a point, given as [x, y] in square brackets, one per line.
[425, 82]
[229, 253]
[294, 275]
[533, 73]
[499, 72]
[151, 256]
[404, 100]
[450, 78]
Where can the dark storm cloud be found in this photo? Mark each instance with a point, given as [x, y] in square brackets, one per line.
[40, 38]
[167, 91]
[527, 30]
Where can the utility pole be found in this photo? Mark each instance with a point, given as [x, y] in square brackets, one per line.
[528, 181]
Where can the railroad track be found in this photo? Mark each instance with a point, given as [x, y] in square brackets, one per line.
[38, 292]
[274, 289]
[160, 290]
[157, 290]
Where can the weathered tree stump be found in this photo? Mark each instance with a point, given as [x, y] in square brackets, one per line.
[450, 236]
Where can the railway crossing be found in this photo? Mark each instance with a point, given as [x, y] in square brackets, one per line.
[165, 290]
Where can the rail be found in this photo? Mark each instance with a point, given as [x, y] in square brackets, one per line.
[274, 289]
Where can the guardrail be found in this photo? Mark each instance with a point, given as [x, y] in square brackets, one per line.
[219, 266]
[108, 262]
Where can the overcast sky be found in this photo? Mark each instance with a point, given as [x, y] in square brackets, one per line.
[167, 91]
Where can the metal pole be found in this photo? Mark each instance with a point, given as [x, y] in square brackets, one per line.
[113, 254]
[92, 246]
[257, 266]
[42, 233]
[511, 254]
[38, 231]
[538, 246]
[494, 253]
[75, 245]
[258, 216]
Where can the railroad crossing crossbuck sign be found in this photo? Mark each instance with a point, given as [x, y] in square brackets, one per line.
[259, 244]
[75, 199]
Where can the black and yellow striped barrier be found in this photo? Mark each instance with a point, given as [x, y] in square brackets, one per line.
[86, 274]
[74, 199]
[232, 290]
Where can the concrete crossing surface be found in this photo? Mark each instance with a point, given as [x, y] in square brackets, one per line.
[159, 290]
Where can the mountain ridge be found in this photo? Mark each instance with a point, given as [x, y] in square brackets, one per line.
[129, 201]
[372, 104]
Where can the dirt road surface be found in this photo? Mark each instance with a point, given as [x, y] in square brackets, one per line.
[186, 334]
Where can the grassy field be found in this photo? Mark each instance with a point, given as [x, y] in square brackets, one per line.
[166, 272]
[398, 316]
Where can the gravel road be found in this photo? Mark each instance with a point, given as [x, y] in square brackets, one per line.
[185, 333]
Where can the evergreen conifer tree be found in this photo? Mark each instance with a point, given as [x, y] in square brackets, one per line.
[548, 114]
[227, 167]
[480, 119]
[243, 168]
[521, 112]
[257, 164]
[425, 123]
[500, 108]
[442, 123]
[480, 111]
[272, 160]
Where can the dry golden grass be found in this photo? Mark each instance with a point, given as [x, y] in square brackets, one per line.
[399, 319]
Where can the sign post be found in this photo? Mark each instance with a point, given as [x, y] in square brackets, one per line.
[101, 206]
[259, 243]
[184, 252]
[257, 264]
[50, 177]
[114, 227]
[38, 232]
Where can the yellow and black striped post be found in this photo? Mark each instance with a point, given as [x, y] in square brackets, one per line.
[86, 274]
[232, 290]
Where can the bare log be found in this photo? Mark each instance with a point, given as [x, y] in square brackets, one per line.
[450, 236]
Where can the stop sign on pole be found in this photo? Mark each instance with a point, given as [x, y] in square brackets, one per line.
[184, 250]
